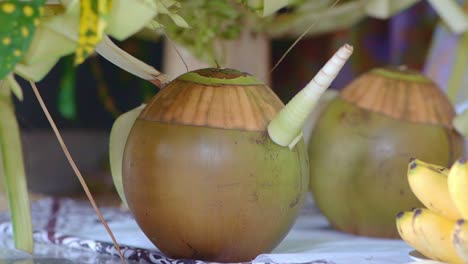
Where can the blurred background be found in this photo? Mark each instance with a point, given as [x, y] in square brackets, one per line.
[86, 100]
[100, 91]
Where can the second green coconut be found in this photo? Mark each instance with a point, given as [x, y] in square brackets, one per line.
[360, 147]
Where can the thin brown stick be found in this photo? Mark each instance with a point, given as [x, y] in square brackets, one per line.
[174, 46]
[299, 39]
[75, 168]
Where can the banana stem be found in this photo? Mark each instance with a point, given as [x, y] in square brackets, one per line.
[285, 129]
[13, 172]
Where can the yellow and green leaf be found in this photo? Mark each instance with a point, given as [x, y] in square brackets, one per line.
[18, 22]
[94, 15]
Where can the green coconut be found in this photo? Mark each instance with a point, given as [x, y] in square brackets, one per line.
[215, 166]
[360, 147]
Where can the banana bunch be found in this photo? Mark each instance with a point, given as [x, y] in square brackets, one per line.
[439, 231]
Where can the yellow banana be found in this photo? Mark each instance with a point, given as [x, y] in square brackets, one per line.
[460, 239]
[429, 233]
[458, 186]
[407, 232]
[429, 184]
[435, 234]
[404, 223]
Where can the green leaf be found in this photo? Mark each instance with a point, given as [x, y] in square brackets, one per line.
[169, 8]
[94, 15]
[66, 97]
[18, 22]
[178, 20]
[117, 140]
[122, 25]
[210, 21]
[267, 7]
[452, 14]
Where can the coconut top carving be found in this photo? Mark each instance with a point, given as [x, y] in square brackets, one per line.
[217, 98]
[401, 94]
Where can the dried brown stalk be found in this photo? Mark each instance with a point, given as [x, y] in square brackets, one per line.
[75, 168]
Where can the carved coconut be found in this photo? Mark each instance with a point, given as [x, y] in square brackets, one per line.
[201, 175]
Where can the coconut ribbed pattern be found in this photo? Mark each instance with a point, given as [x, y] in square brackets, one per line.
[218, 98]
[401, 94]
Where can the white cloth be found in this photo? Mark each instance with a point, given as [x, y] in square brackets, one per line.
[311, 239]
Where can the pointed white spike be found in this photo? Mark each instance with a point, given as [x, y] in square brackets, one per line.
[289, 122]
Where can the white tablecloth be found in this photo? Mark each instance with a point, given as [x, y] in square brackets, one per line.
[311, 240]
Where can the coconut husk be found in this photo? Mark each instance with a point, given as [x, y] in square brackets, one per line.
[402, 95]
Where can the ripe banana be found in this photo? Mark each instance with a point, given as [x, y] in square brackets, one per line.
[404, 223]
[434, 232]
[458, 186]
[460, 239]
[429, 184]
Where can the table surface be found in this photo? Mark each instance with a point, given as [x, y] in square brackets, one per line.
[67, 231]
